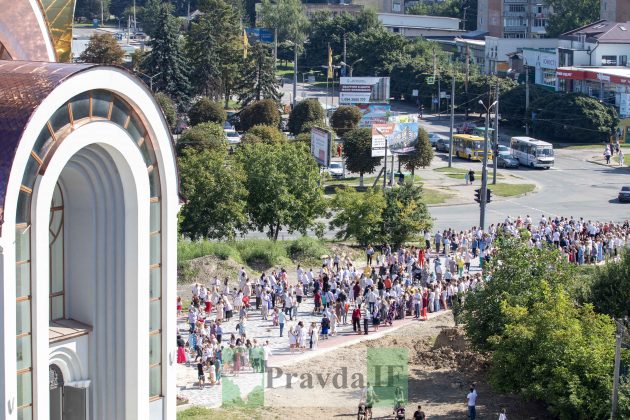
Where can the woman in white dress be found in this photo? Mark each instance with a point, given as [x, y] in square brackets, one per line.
[300, 336]
[313, 335]
[292, 338]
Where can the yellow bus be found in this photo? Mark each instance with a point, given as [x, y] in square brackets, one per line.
[470, 147]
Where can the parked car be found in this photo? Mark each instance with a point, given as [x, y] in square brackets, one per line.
[624, 194]
[506, 160]
[232, 136]
[335, 169]
[504, 149]
[434, 137]
[443, 145]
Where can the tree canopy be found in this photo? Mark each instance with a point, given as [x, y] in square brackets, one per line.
[103, 49]
[260, 112]
[571, 14]
[205, 110]
[405, 215]
[284, 187]
[168, 108]
[358, 215]
[611, 288]
[204, 136]
[421, 156]
[357, 152]
[305, 114]
[216, 195]
[345, 118]
[264, 134]
[258, 76]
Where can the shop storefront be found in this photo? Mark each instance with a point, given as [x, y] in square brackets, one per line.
[545, 63]
[609, 85]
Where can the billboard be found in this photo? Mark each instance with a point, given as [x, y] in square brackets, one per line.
[259, 35]
[374, 114]
[320, 145]
[363, 90]
[401, 138]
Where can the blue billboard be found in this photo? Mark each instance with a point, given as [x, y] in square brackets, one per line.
[259, 35]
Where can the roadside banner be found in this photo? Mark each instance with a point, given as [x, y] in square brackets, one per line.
[374, 114]
[401, 138]
[320, 145]
[363, 90]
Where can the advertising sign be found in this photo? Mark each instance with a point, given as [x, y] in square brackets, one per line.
[401, 138]
[363, 90]
[320, 145]
[259, 35]
[374, 114]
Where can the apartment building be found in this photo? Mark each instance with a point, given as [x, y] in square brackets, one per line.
[513, 18]
[615, 10]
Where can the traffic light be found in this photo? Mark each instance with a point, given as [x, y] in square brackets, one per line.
[478, 195]
[488, 195]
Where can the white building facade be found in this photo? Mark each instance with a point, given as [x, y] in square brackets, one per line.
[88, 232]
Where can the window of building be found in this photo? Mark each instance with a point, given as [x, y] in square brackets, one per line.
[517, 8]
[56, 256]
[609, 60]
[623, 60]
[540, 22]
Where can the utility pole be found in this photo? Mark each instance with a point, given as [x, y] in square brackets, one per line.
[295, 70]
[439, 95]
[345, 58]
[385, 164]
[135, 25]
[275, 44]
[484, 170]
[450, 146]
[615, 395]
[102, 13]
[467, 76]
[526, 100]
[495, 160]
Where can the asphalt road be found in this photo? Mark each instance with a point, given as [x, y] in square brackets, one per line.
[574, 187]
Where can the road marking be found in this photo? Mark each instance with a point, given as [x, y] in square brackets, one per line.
[532, 208]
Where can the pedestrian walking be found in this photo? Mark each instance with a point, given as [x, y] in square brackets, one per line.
[471, 176]
[621, 158]
[472, 402]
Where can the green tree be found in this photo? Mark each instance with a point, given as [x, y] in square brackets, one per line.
[611, 288]
[103, 49]
[512, 105]
[345, 118]
[258, 76]
[166, 60]
[264, 134]
[283, 184]
[556, 352]
[357, 151]
[405, 215]
[571, 14]
[305, 112]
[449, 8]
[517, 273]
[204, 110]
[421, 156]
[214, 47]
[575, 118]
[168, 108]
[358, 215]
[287, 16]
[151, 16]
[205, 136]
[216, 195]
[261, 112]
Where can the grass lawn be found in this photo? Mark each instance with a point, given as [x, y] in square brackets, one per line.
[282, 71]
[459, 173]
[625, 160]
[200, 413]
[510, 190]
[585, 146]
[432, 197]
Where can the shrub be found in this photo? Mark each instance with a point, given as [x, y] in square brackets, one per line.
[308, 110]
[189, 250]
[345, 118]
[204, 110]
[203, 136]
[265, 134]
[261, 252]
[168, 108]
[306, 248]
[261, 112]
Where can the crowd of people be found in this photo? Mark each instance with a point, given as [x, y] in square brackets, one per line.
[393, 284]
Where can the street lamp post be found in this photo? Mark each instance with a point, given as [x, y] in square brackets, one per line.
[385, 163]
[150, 78]
[351, 65]
[484, 170]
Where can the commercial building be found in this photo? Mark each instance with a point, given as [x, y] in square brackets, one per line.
[88, 231]
[512, 18]
[543, 64]
[421, 26]
[498, 51]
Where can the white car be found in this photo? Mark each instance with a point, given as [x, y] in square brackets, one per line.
[335, 169]
[232, 136]
[434, 137]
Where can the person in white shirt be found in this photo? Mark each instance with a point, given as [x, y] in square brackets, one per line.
[472, 402]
